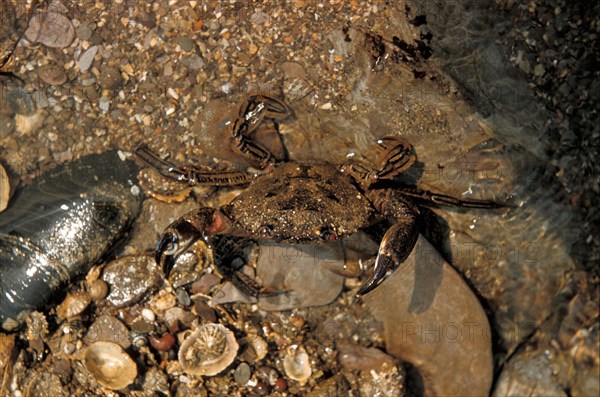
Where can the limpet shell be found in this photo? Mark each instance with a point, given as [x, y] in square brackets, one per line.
[296, 364]
[110, 365]
[208, 350]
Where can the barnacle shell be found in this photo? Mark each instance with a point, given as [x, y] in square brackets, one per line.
[208, 350]
[110, 365]
[296, 364]
[73, 304]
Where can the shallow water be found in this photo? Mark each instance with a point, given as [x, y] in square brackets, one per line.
[471, 118]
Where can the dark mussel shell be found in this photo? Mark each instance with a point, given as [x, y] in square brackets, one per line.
[55, 229]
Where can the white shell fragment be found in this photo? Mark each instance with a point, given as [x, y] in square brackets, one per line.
[5, 190]
[254, 348]
[296, 364]
[208, 350]
[110, 365]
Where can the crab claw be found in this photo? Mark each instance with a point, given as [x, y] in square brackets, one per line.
[384, 266]
[398, 242]
[177, 238]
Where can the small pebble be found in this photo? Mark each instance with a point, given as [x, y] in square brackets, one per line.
[281, 385]
[142, 326]
[186, 44]
[110, 78]
[104, 104]
[84, 32]
[51, 29]
[52, 74]
[86, 59]
[193, 61]
[206, 282]
[242, 374]
[204, 311]
[261, 388]
[148, 314]
[109, 329]
[163, 343]
[69, 348]
[182, 297]
[326, 106]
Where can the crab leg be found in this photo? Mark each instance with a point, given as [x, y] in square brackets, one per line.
[252, 114]
[428, 197]
[253, 150]
[192, 176]
[397, 157]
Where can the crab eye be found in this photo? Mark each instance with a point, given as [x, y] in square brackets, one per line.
[328, 234]
[266, 230]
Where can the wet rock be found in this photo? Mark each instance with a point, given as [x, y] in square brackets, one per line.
[186, 44]
[183, 297]
[242, 374]
[107, 328]
[110, 78]
[84, 32]
[355, 357]
[433, 320]
[193, 61]
[229, 293]
[296, 89]
[51, 29]
[156, 381]
[529, 374]
[293, 70]
[142, 326]
[205, 283]
[162, 343]
[162, 301]
[154, 218]
[45, 384]
[176, 315]
[302, 272]
[335, 386]
[86, 59]
[130, 278]
[387, 380]
[52, 74]
[204, 311]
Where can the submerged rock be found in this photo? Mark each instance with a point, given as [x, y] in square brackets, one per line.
[301, 272]
[433, 320]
